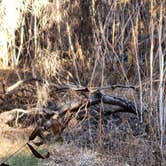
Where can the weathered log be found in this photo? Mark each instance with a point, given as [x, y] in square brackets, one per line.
[120, 104]
[89, 96]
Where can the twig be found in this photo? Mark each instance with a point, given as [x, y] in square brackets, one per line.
[116, 86]
[66, 87]
[18, 83]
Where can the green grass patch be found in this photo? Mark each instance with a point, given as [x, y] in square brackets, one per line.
[26, 159]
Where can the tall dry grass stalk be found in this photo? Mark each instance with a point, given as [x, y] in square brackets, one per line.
[161, 85]
[151, 49]
[135, 39]
[11, 19]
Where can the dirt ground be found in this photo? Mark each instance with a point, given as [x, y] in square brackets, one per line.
[13, 142]
[12, 139]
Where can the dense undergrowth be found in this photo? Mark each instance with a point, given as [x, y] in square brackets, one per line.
[96, 43]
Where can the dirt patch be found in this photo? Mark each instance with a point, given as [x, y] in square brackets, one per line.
[12, 139]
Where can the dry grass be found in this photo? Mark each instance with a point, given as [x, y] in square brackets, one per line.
[94, 43]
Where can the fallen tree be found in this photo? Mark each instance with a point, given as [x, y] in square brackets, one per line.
[54, 119]
[64, 112]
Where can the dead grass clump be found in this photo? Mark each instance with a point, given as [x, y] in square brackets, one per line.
[48, 64]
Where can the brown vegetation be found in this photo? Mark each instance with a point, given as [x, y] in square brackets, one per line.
[90, 71]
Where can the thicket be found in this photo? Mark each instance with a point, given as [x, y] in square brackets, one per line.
[92, 43]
